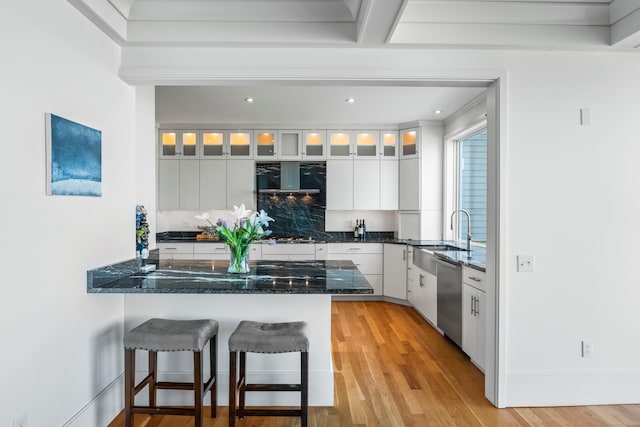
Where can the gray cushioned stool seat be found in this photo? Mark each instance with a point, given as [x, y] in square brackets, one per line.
[258, 337]
[171, 335]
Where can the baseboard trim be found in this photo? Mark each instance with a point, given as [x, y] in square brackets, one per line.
[102, 409]
[572, 388]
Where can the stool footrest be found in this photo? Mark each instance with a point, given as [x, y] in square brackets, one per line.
[273, 387]
[163, 410]
[174, 385]
[268, 412]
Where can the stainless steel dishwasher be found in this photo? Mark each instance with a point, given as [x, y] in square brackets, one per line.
[450, 300]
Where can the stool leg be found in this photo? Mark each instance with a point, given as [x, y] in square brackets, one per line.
[243, 381]
[233, 384]
[304, 382]
[197, 387]
[129, 373]
[213, 367]
[153, 372]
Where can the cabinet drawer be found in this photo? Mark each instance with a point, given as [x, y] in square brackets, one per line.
[355, 248]
[209, 248]
[175, 248]
[321, 251]
[366, 263]
[475, 278]
[290, 249]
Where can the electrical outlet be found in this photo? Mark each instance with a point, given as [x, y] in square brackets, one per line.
[21, 421]
[587, 349]
[525, 263]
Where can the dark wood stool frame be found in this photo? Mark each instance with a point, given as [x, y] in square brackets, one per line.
[238, 387]
[151, 380]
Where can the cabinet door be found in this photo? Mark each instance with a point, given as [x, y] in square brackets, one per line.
[241, 183]
[213, 184]
[395, 271]
[366, 145]
[213, 144]
[339, 144]
[388, 144]
[189, 184]
[409, 143]
[178, 144]
[430, 286]
[168, 184]
[314, 145]
[389, 185]
[469, 324]
[409, 185]
[366, 185]
[240, 144]
[480, 330]
[340, 185]
[265, 144]
[290, 144]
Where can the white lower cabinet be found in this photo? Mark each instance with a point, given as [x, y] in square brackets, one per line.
[175, 250]
[289, 251]
[473, 315]
[366, 256]
[422, 292]
[395, 271]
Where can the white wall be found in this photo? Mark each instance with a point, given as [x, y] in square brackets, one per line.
[568, 192]
[60, 346]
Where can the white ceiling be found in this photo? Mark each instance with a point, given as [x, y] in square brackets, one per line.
[309, 105]
[597, 25]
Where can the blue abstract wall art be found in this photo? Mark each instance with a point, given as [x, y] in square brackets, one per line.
[74, 158]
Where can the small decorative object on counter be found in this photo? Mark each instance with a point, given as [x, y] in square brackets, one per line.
[248, 226]
[142, 234]
[208, 231]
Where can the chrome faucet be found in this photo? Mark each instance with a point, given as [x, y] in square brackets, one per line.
[468, 225]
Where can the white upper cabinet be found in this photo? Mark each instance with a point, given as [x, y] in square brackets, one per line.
[178, 144]
[388, 144]
[290, 144]
[366, 144]
[314, 144]
[339, 144]
[409, 143]
[265, 144]
[240, 144]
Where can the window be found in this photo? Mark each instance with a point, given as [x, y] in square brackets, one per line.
[471, 183]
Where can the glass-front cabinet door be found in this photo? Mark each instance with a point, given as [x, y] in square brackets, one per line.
[290, 144]
[178, 144]
[409, 139]
[314, 144]
[240, 145]
[265, 144]
[366, 144]
[213, 144]
[339, 144]
[388, 144]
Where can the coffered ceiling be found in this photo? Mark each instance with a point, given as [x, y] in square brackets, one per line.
[522, 24]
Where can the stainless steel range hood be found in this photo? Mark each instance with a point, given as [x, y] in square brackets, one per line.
[290, 181]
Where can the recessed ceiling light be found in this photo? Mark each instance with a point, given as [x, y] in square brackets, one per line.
[249, 100]
[350, 100]
[438, 111]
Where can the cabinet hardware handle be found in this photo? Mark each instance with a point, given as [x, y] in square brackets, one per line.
[404, 254]
[355, 249]
[472, 306]
[477, 309]
[475, 279]
[421, 281]
[171, 249]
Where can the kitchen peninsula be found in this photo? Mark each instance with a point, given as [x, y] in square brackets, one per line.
[273, 291]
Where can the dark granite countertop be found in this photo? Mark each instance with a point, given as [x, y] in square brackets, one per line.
[324, 237]
[211, 277]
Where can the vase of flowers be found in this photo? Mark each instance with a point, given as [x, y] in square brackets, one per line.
[247, 226]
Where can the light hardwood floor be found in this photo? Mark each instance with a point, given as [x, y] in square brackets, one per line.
[393, 369]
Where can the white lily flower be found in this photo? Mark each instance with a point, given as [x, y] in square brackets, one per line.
[264, 218]
[241, 212]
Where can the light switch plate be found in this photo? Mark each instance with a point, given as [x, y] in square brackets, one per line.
[525, 263]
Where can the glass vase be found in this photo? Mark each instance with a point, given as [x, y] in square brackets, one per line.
[239, 259]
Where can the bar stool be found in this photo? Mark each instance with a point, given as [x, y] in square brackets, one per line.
[156, 335]
[256, 337]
